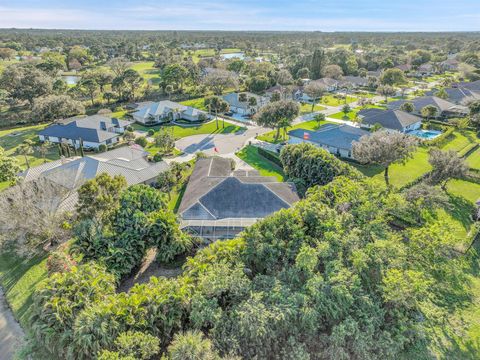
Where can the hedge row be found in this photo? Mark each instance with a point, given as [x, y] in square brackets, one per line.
[441, 139]
[467, 150]
[270, 156]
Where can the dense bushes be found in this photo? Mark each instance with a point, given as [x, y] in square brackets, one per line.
[141, 221]
[313, 165]
[326, 279]
[270, 156]
[58, 301]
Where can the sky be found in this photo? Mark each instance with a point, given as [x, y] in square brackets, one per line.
[296, 15]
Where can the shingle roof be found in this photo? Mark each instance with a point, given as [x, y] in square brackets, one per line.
[339, 136]
[233, 99]
[72, 131]
[214, 192]
[421, 102]
[458, 95]
[390, 119]
[96, 122]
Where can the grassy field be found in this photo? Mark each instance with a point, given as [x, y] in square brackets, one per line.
[401, 174]
[473, 160]
[250, 155]
[460, 140]
[207, 128]
[307, 108]
[308, 125]
[148, 71]
[196, 103]
[334, 101]
[10, 139]
[19, 277]
[468, 190]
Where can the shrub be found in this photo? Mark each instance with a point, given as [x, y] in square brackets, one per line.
[158, 157]
[129, 128]
[151, 132]
[102, 148]
[270, 156]
[59, 262]
[142, 141]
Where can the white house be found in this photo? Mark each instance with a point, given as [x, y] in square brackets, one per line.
[244, 107]
[166, 111]
[91, 131]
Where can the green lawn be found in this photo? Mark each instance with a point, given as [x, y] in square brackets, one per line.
[473, 160]
[331, 100]
[207, 128]
[351, 115]
[250, 155]
[11, 138]
[19, 277]
[468, 190]
[196, 103]
[460, 140]
[147, 70]
[308, 125]
[307, 108]
[400, 174]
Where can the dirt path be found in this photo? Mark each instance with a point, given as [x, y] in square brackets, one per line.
[11, 334]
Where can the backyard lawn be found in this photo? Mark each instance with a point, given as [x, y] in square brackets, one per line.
[459, 140]
[466, 189]
[207, 128]
[308, 125]
[473, 160]
[331, 100]
[196, 103]
[307, 108]
[250, 155]
[18, 278]
[10, 139]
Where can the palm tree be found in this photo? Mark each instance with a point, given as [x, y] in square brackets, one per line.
[25, 149]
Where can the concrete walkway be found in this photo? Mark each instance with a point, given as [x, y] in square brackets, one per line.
[11, 334]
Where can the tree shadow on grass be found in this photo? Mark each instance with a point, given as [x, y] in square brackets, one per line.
[461, 210]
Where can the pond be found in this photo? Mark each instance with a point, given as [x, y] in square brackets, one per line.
[71, 79]
[239, 55]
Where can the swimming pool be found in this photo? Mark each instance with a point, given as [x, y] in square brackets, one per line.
[425, 134]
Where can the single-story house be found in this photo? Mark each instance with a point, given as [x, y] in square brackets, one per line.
[459, 95]
[166, 111]
[243, 107]
[91, 131]
[329, 84]
[353, 81]
[390, 119]
[425, 70]
[450, 65]
[219, 203]
[128, 161]
[404, 67]
[472, 85]
[284, 92]
[337, 139]
[445, 108]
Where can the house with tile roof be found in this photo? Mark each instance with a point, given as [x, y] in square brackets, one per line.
[336, 139]
[243, 107]
[128, 161]
[167, 111]
[90, 131]
[390, 119]
[220, 202]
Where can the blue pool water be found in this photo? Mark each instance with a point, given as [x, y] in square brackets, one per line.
[425, 134]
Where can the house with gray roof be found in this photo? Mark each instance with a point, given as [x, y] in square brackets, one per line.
[353, 81]
[243, 107]
[336, 139]
[128, 161]
[90, 131]
[220, 202]
[166, 111]
[445, 108]
[458, 95]
[390, 119]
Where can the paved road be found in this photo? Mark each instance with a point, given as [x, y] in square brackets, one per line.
[11, 334]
